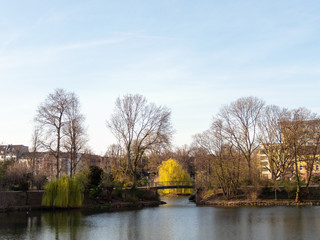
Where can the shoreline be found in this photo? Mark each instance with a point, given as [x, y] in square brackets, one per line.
[112, 207]
[123, 206]
[256, 203]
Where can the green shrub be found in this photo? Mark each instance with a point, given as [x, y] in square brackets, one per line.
[130, 198]
[95, 191]
[290, 187]
[130, 195]
[95, 176]
[82, 178]
[107, 180]
[141, 194]
[4, 165]
[117, 194]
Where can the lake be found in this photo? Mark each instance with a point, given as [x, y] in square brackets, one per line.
[179, 219]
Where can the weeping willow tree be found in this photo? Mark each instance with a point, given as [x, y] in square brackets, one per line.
[64, 192]
[172, 171]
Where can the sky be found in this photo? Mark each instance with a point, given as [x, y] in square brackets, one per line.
[191, 56]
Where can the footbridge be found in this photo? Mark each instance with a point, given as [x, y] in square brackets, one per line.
[169, 185]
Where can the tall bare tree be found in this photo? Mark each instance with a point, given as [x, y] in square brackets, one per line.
[139, 126]
[74, 131]
[203, 163]
[155, 157]
[184, 156]
[274, 145]
[297, 133]
[36, 145]
[239, 122]
[114, 154]
[51, 117]
[224, 167]
[312, 150]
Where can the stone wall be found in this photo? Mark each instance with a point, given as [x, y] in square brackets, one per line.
[19, 199]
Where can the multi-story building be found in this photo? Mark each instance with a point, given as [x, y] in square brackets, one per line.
[264, 164]
[308, 165]
[301, 139]
[45, 163]
[12, 152]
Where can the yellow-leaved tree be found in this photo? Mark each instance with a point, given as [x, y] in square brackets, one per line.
[172, 171]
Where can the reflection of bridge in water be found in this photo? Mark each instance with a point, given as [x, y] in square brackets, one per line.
[169, 185]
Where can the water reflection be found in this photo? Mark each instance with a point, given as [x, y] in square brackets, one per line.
[63, 224]
[262, 223]
[179, 219]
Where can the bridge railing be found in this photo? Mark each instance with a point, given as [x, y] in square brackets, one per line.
[170, 183]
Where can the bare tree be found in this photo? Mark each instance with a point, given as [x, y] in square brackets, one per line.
[155, 157]
[203, 164]
[139, 126]
[114, 154]
[274, 145]
[19, 174]
[224, 167]
[296, 133]
[74, 131]
[312, 150]
[239, 122]
[51, 117]
[36, 145]
[204, 141]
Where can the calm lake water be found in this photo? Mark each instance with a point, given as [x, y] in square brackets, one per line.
[179, 219]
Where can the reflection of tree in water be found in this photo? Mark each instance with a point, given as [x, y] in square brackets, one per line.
[34, 224]
[20, 225]
[63, 222]
[134, 225]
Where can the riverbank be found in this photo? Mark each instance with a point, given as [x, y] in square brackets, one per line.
[113, 206]
[257, 203]
[123, 206]
[260, 197]
[31, 201]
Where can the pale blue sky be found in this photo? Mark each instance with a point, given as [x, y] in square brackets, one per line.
[191, 56]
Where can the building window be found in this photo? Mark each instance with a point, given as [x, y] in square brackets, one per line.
[265, 176]
[317, 167]
[301, 168]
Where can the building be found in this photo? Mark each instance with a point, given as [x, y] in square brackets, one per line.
[44, 163]
[12, 152]
[308, 165]
[264, 164]
[300, 143]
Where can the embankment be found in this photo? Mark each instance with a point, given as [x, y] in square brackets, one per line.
[261, 197]
[31, 200]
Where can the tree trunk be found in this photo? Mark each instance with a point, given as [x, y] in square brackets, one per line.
[298, 193]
